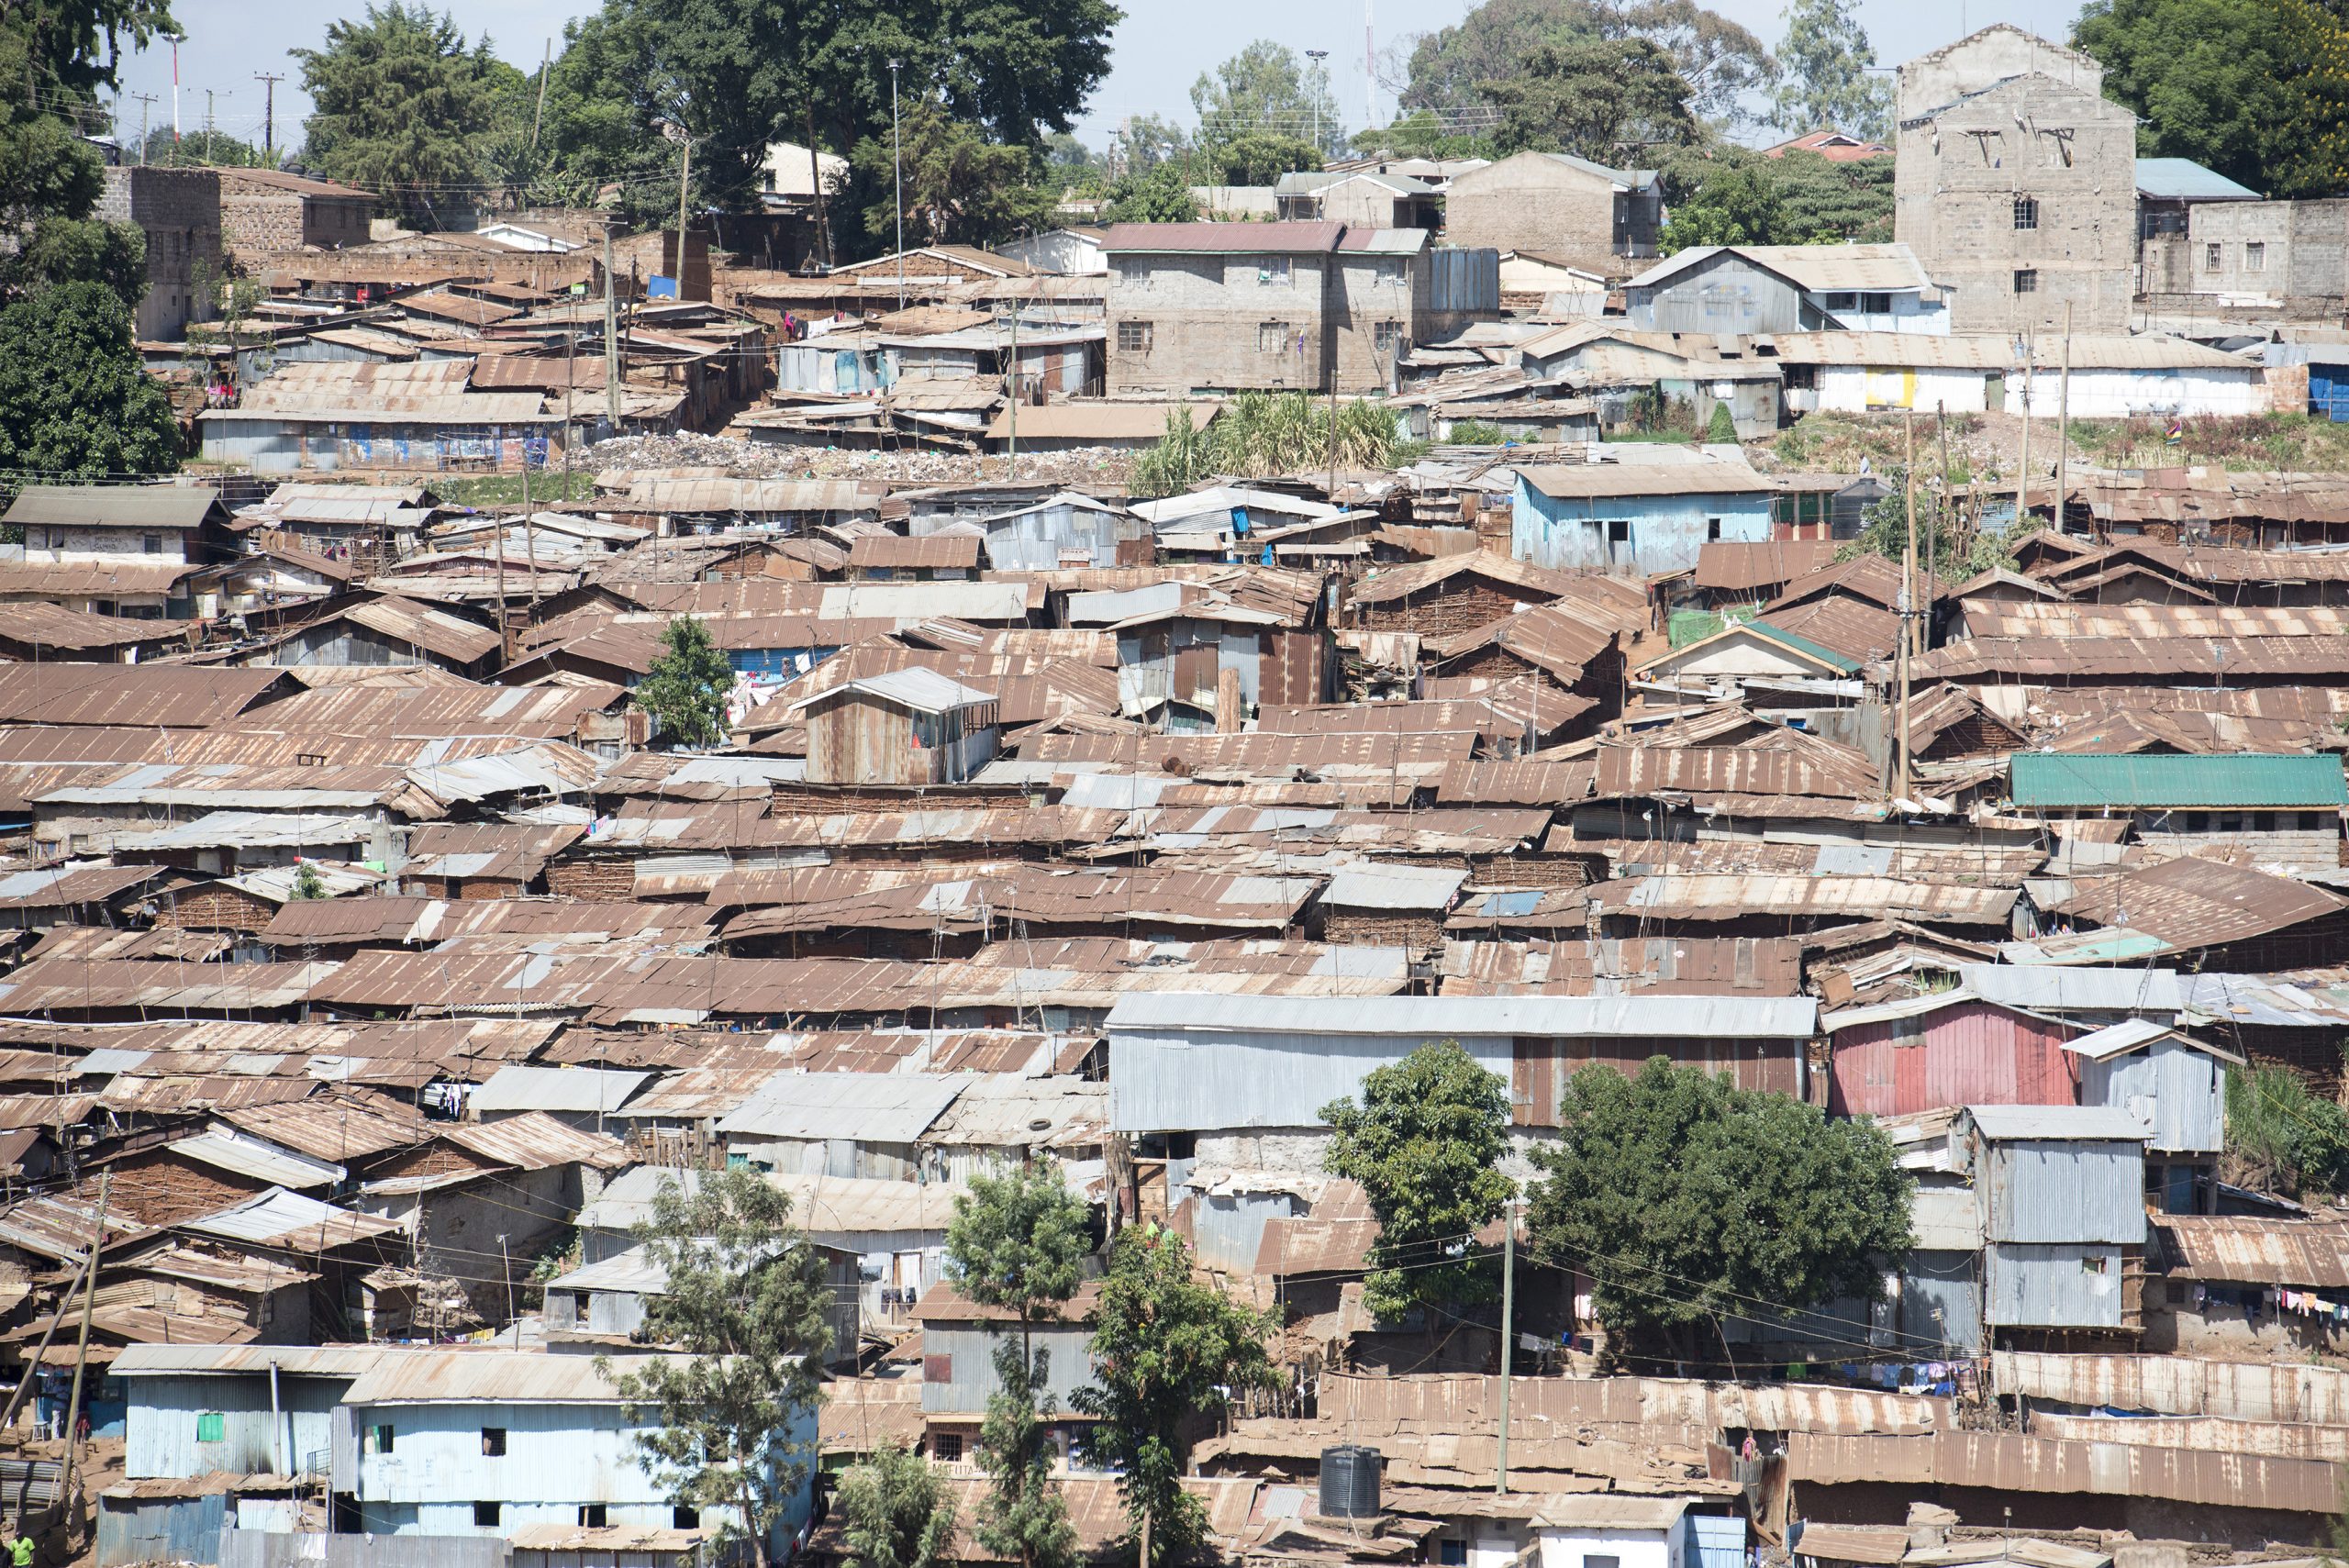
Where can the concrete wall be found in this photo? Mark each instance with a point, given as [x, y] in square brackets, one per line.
[1931, 80]
[259, 221]
[56, 544]
[1638, 533]
[1531, 201]
[1267, 322]
[1962, 167]
[2303, 251]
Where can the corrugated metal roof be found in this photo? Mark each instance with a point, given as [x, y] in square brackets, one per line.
[1434, 1017]
[2184, 180]
[263, 1161]
[114, 505]
[292, 1221]
[579, 1090]
[1608, 1511]
[1365, 887]
[504, 1377]
[2042, 779]
[293, 1361]
[2057, 1123]
[536, 1141]
[892, 1108]
[1813, 268]
[2306, 1254]
[2046, 989]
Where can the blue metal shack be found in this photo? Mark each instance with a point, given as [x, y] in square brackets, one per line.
[197, 1409]
[1641, 518]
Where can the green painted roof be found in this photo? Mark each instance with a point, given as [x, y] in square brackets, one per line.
[2044, 779]
[1802, 644]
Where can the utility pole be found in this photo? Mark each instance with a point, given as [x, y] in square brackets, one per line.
[269, 114]
[1908, 608]
[898, 156]
[538, 116]
[2064, 420]
[1947, 520]
[1509, 1335]
[1317, 56]
[212, 153]
[2023, 474]
[1011, 470]
[81, 1350]
[144, 100]
[611, 339]
[177, 39]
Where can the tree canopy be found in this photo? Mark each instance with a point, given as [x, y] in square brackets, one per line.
[2255, 89]
[75, 401]
[1017, 1241]
[960, 188]
[1161, 193]
[1165, 1348]
[1690, 1202]
[1268, 90]
[1610, 100]
[896, 1510]
[1726, 196]
[686, 689]
[1824, 80]
[745, 1299]
[1718, 61]
[404, 107]
[1425, 1141]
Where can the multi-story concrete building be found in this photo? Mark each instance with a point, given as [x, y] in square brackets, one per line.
[1221, 306]
[1554, 204]
[2015, 184]
[2293, 256]
[179, 212]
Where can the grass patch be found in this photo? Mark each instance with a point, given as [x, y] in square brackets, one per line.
[547, 488]
[2297, 442]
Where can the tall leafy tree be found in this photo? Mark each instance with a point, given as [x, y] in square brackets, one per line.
[75, 402]
[1690, 1202]
[2255, 89]
[1165, 1348]
[959, 186]
[746, 1302]
[686, 689]
[1267, 90]
[1614, 101]
[1718, 61]
[1825, 81]
[896, 1511]
[215, 148]
[405, 107]
[1018, 1241]
[1729, 196]
[1425, 1141]
[1158, 194]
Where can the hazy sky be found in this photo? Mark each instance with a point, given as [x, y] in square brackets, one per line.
[1161, 47]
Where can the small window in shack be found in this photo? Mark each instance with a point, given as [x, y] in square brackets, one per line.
[211, 1427]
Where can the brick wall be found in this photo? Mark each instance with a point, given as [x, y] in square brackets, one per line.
[159, 1187]
[1461, 604]
[216, 908]
[609, 879]
[1956, 188]
[1420, 932]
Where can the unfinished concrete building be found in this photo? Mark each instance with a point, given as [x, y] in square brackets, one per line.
[2017, 183]
[1554, 204]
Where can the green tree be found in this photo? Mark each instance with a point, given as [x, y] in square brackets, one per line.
[959, 187]
[2251, 88]
[1264, 433]
[308, 885]
[1824, 62]
[1419, 134]
[1944, 542]
[1260, 157]
[1145, 141]
[1718, 61]
[56, 57]
[686, 689]
[1267, 90]
[1722, 425]
[75, 403]
[1161, 193]
[746, 1300]
[1018, 1242]
[1728, 195]
[405, 107]
[200, 149]
[1425, 1142]
[896, 1511]
[2281, 1136]
[1612, 101]
[1165, 1348]
[1737, 204]
[1690, 1202]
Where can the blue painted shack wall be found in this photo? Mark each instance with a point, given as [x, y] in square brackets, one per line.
[159, 1431]
[1665, 533]
[160, 1530]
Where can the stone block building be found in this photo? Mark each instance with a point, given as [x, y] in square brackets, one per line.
[1553, 203]
[179, 212]
[2015, 184]
[1198, 308]
[2292, 255]
[267, 212]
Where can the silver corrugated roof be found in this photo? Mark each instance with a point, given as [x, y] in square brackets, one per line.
[1394, 888]
[2046, 988]
[224, 1147]
[577, 1089]
[897, 1107]
[1433, 1017]
[2059, 1123]
[295, 1361]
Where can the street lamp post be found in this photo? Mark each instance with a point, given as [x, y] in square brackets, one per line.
[898, 157]
[1317, 56]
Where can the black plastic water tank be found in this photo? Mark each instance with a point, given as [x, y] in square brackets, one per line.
[1350, 1483]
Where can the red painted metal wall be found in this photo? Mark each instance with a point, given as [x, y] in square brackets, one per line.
[1970, 1054]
